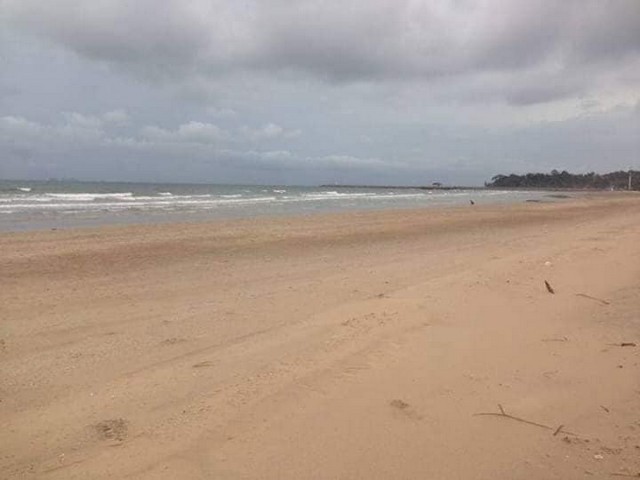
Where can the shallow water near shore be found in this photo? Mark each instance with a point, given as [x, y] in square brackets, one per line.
[29, 205]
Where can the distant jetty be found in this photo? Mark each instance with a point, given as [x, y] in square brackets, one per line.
[404, 187]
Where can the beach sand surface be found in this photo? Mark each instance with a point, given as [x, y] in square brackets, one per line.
[346, 346]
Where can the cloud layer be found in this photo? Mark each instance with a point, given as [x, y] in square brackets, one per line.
[362, 40]
[379, 85]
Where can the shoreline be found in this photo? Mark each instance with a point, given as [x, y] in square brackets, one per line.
[307, 219]
[357, 344]
[204, 221]
[78, 205]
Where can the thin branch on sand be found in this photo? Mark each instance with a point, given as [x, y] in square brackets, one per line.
[504, 414]
[584, 295]
[561, 339]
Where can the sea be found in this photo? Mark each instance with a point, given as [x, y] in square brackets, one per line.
[37, 205]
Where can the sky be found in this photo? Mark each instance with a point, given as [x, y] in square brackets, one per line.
[317, 91]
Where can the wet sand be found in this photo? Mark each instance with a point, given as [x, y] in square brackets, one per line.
[359, 346]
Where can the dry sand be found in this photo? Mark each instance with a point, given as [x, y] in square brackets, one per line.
[350, 346]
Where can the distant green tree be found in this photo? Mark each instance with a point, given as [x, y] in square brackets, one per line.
[555, 179]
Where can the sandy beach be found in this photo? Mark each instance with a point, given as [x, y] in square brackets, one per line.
[346, 346]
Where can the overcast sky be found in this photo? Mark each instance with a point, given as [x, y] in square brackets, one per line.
[317, 91]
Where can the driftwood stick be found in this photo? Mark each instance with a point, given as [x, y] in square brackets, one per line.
[549, 287]
[517, 419]
[584, 295]
[562, 339]
[522, 420]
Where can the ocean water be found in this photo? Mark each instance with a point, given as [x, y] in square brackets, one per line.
[30, 205]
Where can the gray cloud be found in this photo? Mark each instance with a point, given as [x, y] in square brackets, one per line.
[65, 143]
[270, 131]
[192, 132]
[371, 91]
[364, 40]
[194, 151]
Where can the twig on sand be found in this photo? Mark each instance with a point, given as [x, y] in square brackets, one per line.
[504, 414]
[605, 408]
[549, 288]
[584, 295]
[623, 344]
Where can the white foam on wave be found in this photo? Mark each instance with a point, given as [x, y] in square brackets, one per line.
[332, 196]
[119, 201]
[24, 189]
[84, 197]
[404, 195]
[95, 203]
[241, 201]
[24, 199]
[76, 203]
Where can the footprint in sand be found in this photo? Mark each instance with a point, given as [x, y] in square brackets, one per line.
[406, 409]
[206, 363]
[114, 429]
[173, 341]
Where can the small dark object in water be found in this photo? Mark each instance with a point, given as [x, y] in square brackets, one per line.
[549, 289]
[472, 202]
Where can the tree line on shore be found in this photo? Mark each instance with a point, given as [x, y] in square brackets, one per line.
[614, 180]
